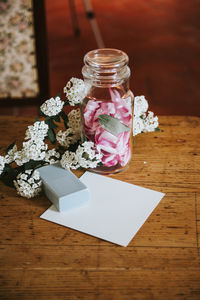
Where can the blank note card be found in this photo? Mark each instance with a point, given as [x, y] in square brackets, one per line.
[115, 212]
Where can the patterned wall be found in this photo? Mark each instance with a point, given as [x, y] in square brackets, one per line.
[18, 73]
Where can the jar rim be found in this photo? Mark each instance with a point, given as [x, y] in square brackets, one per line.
[107, 58]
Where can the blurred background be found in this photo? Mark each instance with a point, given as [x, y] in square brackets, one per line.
[161, 38]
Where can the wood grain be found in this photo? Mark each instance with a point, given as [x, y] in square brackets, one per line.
[43, 260]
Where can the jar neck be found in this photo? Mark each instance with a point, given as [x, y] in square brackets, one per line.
[106, 67]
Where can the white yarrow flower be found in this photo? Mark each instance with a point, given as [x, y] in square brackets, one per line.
[87, 155]
[52, 156]
[28, 184]
[140, 105]
[35, 151]
[138, 125]
[31, 150]
[69, 161]
[141, 121]
[150, 122]
[2, 163]
[24, 176]
[52, 107]
[20, 158]
[37, 132]
[75, 91]
[10, 155]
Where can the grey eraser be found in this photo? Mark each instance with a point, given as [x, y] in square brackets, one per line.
[62, 187]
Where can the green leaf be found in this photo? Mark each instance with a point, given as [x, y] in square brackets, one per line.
[64, 116]
[66, 103]
[10, 147]
[33, 164]
[51, 136]
[41, 113]
[56, 118]
[66, 126]
[36, 120]
[85, 139]
[112, 125]
[58, 95]
[158, 129]
[52, 124]
[8, 175]
[49, 121]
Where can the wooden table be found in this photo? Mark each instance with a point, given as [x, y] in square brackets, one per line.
[42, 260]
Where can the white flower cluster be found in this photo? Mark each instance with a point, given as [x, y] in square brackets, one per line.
[52, 156]
[52, 107]
[37, 131]
[2, 164]
[141, 121]
[28, 184]
[10, 155]
[140, 106]
[31, 150]
[150, 122]
[34, 148]
[75, 91]
[69, 161]
[86, 156]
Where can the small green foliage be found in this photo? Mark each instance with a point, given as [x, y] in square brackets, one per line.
[34, 164]
[9, 174]
[57, 118]
[158, 129]
[64, 116]
[51, 135]
[10, 147]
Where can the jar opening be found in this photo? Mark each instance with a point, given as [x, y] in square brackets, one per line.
[106, 58]
[106, 67]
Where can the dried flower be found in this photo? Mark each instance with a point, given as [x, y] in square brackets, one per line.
[74, 120]
[67, 137]
[28, 184]
[52, 107]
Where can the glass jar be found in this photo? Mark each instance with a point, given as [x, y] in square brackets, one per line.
[106, 111]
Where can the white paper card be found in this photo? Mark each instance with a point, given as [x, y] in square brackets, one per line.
[115, 212]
